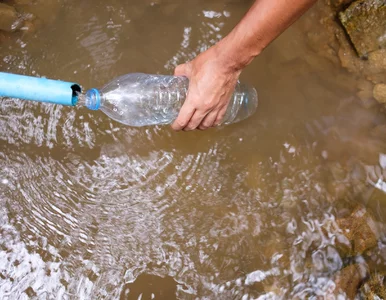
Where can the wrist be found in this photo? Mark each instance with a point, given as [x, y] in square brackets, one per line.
[234, 53]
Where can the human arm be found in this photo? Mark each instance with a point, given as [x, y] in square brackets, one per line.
[214, 73]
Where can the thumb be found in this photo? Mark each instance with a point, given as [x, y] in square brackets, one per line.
[182, 70]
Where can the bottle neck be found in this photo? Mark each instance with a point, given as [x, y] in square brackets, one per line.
[92, 99]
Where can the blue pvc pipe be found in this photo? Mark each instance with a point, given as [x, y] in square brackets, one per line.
[39, 89]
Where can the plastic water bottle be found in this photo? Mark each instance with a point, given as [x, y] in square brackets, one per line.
[139, 99]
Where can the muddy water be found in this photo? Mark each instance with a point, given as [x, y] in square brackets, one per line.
[91, 209]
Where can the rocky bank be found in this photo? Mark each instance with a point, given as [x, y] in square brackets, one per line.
[355, 32]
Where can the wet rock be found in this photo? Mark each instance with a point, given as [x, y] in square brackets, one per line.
[377, 60]
[365, 23]
[365, 94]
[9, 18]
[46, 11]
[347, 56]
[359, 232]
[335, 43]
[366, 70]
[338, 4]
[349, 279]
[379, 93]
[365, 86]
[374, 288]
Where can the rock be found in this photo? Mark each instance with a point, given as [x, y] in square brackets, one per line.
[365, 86]
[365, 23]
[349, 279]
[374, 288]
[377, 60]
[45, 10]
[365, 94]
[333, 42]
[338, 4]
[348, 58]
[379, 93]
[359, 233]
[9, 18]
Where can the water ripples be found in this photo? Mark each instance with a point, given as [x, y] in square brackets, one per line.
[93, 209]
[156, 202]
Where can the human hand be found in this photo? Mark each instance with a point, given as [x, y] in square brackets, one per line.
[212, 81]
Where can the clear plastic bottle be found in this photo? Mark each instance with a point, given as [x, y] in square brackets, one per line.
[139, 99]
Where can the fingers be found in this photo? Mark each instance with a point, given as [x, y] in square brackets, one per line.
[220, 116]
[208, 94]
[195, 120]
[209, 120]
[184, 116]
[187, 110]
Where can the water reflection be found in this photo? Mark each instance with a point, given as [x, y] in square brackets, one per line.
[92, 209]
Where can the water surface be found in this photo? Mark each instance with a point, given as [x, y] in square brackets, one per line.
[92, 209]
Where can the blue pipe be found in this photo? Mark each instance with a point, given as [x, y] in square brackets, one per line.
[39, 89]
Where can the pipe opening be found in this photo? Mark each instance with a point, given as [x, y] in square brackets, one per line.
[76, 90]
